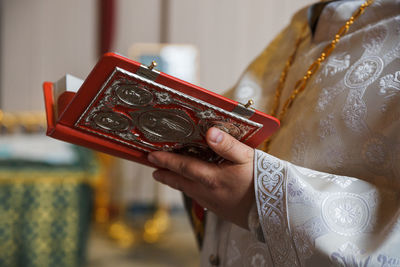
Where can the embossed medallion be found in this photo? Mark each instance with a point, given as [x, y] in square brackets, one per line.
[345, 213]
[133, 95]
[165, 125]
[364, 72]
[111, 121]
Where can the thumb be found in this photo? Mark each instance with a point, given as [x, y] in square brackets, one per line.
[228, 147]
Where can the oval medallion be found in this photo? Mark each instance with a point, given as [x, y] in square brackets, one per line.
[111, 121]
[364, 72]
[134, 95]
[165, 125]
[345, 213]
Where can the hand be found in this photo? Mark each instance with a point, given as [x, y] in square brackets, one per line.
[226, 189]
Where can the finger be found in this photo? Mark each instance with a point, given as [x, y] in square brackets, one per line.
[189, 167]
[196, 191]
[228, 147]
[175, 181]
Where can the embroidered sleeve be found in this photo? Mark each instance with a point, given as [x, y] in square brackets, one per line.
[270, 194]
[296, 206]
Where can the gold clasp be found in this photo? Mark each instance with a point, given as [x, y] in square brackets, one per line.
[249, 103]
[152, 65]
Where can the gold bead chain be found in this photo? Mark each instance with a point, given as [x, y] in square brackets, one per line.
[301, 83]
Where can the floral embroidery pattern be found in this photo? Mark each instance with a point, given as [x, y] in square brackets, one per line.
[390, 81]
[295, 190]
[303, 244]
[374, 152]
[377, 155]
[364, 72]
[257, 255]
[345, 213]
[314, 228]
[390, 87]
[342, 181]
[305, 236]
[354, 112]
[327, 96]
[326, 127]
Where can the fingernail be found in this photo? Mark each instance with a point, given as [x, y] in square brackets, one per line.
[152, 159]
[216, 135]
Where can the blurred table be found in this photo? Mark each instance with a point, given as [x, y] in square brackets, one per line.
[45, 201]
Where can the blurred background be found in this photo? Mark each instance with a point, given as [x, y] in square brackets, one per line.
[62, 205]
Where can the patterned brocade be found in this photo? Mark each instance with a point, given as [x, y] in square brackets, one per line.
[328, 192]
[43, 224]
[320, 205]
[270, 191]
[45, 211]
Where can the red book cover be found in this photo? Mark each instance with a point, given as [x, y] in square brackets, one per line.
[126, 109]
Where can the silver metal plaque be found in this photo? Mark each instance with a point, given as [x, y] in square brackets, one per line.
[147, 116]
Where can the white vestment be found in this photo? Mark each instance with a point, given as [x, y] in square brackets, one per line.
[328, 192]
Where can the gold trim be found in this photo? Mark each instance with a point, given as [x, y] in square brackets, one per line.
[46, 177]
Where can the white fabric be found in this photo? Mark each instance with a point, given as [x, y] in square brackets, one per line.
[328, 192]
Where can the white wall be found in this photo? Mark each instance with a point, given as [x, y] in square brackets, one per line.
[229, 33]
[44, 39]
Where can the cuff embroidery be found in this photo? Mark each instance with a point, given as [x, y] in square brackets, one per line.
[270, 190]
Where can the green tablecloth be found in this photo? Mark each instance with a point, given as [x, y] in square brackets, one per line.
[45, 211]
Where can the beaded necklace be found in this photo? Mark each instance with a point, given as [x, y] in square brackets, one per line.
[301, 83]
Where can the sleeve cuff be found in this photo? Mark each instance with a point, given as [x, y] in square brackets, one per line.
[270, 179]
